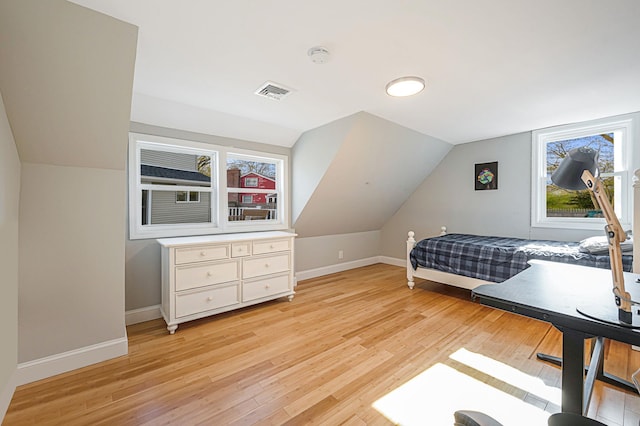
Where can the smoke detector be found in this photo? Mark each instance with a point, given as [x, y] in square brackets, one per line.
[318, 55]
[273, 91]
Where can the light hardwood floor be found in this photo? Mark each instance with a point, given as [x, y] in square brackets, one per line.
[353, 348]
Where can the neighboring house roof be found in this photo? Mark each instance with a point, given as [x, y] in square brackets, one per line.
[166, 173]
[257, 174]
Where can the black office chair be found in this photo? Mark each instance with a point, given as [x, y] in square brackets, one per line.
[474, 418]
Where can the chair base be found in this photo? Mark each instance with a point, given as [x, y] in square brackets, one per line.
[569, 419]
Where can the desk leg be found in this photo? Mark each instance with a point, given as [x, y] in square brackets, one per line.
[572, 371]
[594, 370]
[601, 374]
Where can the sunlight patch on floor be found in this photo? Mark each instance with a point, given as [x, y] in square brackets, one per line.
[435, 394]
[508, 374]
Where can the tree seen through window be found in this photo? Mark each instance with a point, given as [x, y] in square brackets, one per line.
[566, 203]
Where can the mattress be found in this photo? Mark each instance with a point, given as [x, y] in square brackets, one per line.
[497, 259]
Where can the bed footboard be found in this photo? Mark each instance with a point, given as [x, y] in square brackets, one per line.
[411, 242]
[434, 274]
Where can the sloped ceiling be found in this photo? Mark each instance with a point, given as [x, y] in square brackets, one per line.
[66, 82]
[492, 67]
[311, 157]
[370, 173]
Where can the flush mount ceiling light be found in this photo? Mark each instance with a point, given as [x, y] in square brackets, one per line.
[405, 86]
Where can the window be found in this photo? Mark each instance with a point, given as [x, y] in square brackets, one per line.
[559, 208]
[251, 182]
[179, 188]
[187, 197]
[253, 186]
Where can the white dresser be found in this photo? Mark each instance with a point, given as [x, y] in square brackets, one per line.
[207, 275]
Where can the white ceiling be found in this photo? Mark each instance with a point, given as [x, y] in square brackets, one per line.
[492, 67]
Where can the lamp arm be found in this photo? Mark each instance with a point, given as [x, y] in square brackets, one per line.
[615, 235]
[596, 186]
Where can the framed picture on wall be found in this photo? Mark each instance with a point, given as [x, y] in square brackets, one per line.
[486, 176]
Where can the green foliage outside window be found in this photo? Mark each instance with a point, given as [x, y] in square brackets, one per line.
[565, 203]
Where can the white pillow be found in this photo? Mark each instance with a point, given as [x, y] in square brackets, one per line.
[600, 245]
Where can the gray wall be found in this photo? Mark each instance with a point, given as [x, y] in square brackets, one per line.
[448, 198]
[72, 228]
[66, 75]
[9, 198]
[322, 251]
[350, 177]
[445, 197]
[378, 165]
[142, 257]
[311, 156]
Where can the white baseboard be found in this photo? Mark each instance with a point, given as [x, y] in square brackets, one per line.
[6, 394]
[393, 261]
[338, 267]
[136, 316]
[42, 368]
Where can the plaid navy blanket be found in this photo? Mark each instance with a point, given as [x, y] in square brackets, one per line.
[498, 258]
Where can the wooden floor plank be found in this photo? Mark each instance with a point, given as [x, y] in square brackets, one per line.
[346, 342]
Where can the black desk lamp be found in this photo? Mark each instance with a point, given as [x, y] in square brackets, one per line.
[576, 171]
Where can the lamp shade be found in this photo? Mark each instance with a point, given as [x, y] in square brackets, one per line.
[568, 175]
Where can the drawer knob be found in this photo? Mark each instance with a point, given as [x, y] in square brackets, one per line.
[209, 299]
[266, 265]
[240, 249]
[203, 253]
[209, 273]
[266, 286]
[271, 246]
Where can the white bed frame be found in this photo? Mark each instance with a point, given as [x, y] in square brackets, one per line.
[471, 283]
[434, 274]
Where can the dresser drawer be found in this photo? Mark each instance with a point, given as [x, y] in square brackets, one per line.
[240, 249]
[206, 300]
[201, 254]
[193, 276]
[272, 246]
[265, 287]
[256, 267]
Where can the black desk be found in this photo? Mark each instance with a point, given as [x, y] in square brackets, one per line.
[550, 292]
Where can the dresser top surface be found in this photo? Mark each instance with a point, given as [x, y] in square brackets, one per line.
[223, 238]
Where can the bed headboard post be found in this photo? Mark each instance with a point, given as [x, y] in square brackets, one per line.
[636, 221]
[443, 230]
[411, 242]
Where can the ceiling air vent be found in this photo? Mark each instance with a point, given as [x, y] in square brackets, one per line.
[273, 90]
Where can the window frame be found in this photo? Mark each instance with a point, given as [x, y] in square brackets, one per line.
[219, 223]
[281, 188]
[623, 193]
